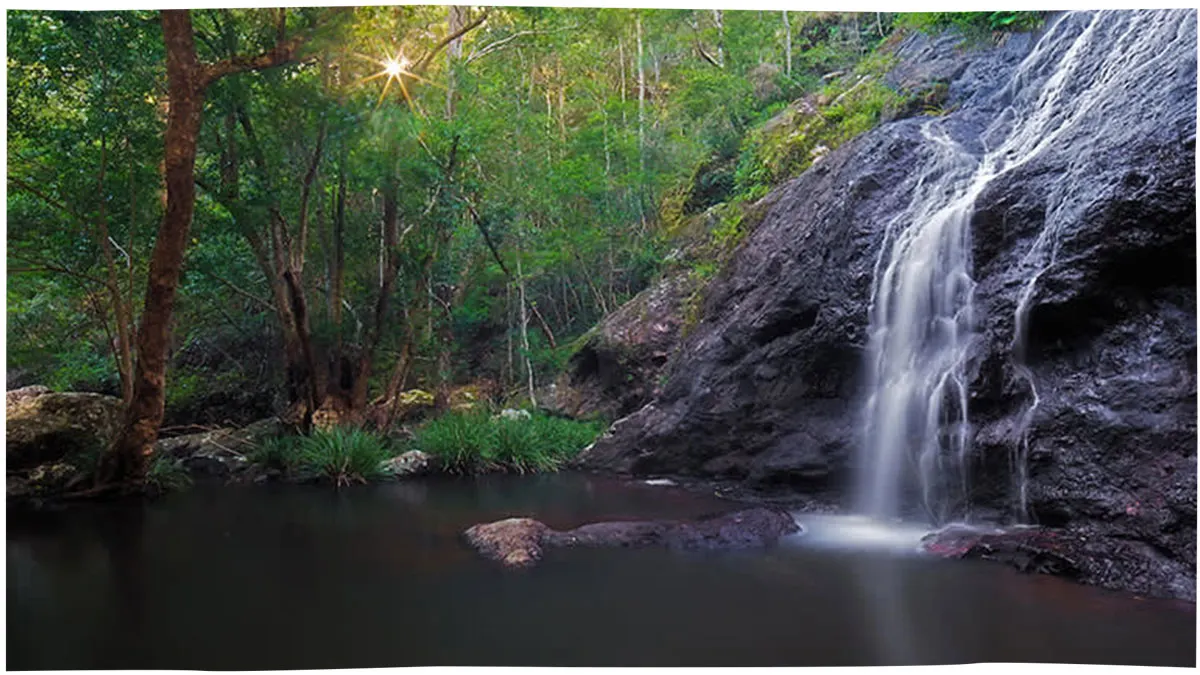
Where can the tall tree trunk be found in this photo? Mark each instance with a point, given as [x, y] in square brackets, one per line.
[390, 243]
[525, 329]
[122, 312]
[129, 459]
[508, 320]
[456, 19]
[337, 275]
[641, 68]
[624, 87]
[787, 44]
[127, 462]
[719, 19]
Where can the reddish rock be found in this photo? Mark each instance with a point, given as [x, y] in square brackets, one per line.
[519, 542]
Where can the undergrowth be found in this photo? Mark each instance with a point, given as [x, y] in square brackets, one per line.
[340, 455]
[167, 474]
[476, 442]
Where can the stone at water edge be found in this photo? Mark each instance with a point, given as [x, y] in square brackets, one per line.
[519, 542]
[411, 463]
[46, 427]
[219, 452]
[1027, 549]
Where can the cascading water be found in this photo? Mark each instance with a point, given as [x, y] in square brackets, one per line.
[917, 427]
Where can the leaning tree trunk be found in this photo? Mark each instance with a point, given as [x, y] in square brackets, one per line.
[128, 461]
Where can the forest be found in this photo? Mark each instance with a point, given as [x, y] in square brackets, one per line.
[359, 337]
[356, 203]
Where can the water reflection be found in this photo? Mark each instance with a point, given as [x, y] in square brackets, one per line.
[881, 591]
[301, 578]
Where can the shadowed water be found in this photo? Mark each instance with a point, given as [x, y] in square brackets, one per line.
[302, 577]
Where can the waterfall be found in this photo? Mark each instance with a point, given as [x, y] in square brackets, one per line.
[922, 317]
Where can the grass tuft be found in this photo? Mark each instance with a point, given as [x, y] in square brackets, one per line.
[475, 442]
[343, 455]
[167, 474]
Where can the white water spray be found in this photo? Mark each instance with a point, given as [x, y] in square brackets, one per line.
[922, 315]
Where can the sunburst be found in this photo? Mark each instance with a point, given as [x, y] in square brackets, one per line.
[394, 68]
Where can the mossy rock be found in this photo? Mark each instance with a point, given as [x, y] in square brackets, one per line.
[49, 427]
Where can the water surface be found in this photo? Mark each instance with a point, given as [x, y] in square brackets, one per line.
[296, 577]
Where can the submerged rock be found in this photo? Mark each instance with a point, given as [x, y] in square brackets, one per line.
[519, 542]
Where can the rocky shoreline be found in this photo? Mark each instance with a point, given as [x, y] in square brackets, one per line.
[53, 437]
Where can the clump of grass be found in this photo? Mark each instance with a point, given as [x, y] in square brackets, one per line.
[475, 442]
[167, 474]
[277, 452]
[342, 455]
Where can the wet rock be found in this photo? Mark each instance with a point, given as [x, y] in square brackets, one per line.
[411, 463]
[1029, 550]
[519, 542]
[45, 427]
[515, 542]
[1082, 553]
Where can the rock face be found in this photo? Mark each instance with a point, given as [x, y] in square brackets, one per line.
[616, 370]
[768, 391]
[45, 427]
[519, 542]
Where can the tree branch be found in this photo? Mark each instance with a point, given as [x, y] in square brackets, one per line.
[487, 238]
[425, 60]
[50, 201]
[41, 266]
[240, 291]
[505, 41]
[282, 53]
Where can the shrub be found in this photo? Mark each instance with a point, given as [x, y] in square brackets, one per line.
[342, 455]
[475, 442]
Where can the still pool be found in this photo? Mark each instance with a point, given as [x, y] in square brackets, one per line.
[300, 577]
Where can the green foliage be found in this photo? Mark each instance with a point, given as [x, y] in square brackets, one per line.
[562, 187]
[972, 23]
[277, 452]
[476, 442]
[342, 455]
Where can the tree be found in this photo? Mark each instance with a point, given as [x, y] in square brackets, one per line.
[127, 462]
